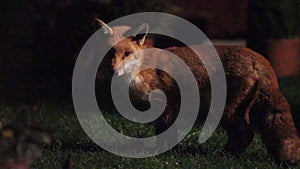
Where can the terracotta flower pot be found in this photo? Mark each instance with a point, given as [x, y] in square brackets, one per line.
[284, 55]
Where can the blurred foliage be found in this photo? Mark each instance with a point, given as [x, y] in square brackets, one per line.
[274, 18]
[20, 147]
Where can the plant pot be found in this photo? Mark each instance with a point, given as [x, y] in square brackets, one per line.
[284, 55]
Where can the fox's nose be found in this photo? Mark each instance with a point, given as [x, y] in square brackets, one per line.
[117, 66]
[120, 71]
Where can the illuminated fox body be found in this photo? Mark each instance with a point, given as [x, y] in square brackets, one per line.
[253, 98]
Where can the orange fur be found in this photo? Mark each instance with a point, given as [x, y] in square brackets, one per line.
[254, 101]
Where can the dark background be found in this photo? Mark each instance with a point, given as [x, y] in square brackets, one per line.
[40, 40]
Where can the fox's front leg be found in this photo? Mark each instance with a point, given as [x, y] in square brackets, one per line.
[163, 123]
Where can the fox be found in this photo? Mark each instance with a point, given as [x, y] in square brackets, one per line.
[254, 102]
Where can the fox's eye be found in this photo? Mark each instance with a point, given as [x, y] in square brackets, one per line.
[127, 53]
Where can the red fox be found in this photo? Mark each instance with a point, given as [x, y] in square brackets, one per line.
[254, 101]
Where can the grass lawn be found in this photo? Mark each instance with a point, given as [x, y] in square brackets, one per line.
[69, 140]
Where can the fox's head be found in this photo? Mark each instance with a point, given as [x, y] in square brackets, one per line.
[124, 59]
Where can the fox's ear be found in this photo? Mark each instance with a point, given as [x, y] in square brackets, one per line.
[139, 33]
[107, 30]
